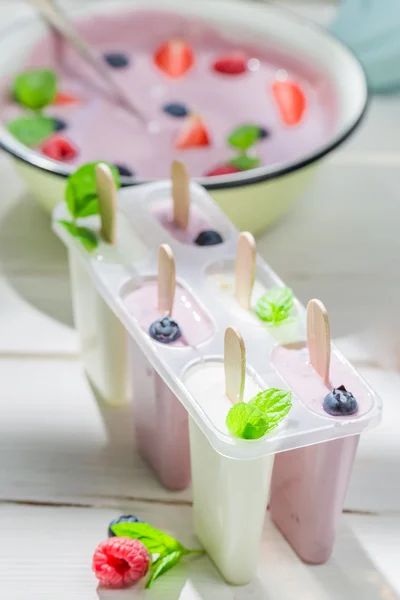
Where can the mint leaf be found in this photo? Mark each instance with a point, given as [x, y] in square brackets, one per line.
[31, 131]
[156, 541]
[275, 404]
[275, 305]
[244, 162]
[246, 421]
[35, 89]
[81, 195]
[244, 137]
[164, 564]
[86, 236]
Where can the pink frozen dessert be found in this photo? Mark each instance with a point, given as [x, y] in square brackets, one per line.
[217, 104]
[161, 422]
[309, 484]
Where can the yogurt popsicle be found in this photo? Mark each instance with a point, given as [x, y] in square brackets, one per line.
[185, 222]
[309, 484]
[160, 419]
[102, 337]
[229, 496]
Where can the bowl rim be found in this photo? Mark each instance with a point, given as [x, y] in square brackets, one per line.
[244, 178]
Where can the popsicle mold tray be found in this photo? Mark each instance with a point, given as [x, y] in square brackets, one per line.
[205, 273]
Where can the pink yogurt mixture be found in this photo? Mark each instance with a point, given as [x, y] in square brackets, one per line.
[103, 131]
[163, 209]
[293, 365]
[194, 324]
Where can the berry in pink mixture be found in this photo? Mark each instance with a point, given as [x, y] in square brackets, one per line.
[59, 148]
[119, 562]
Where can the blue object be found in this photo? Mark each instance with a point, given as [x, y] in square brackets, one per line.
[122, 519]
[371, 29]
[116, 60]
[59, 124]
[165, 330]
[339, 403]
[208, 238]
[175, 109]
[264, 133]
[124, 171]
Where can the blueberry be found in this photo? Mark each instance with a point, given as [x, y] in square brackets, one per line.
[165, 330]
[122, 519]
[263, 133]
[124, 171]
[340, 402]
[59, 124]
[208, 238]
[175, 109]
[116, 59]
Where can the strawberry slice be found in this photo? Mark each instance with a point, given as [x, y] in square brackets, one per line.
[62, 99]
[221, 170]
[234, 63]
[193, 134]
[290, 100]
[59, 148]
[174, 58]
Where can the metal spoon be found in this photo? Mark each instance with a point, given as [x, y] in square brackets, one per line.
[59, 21]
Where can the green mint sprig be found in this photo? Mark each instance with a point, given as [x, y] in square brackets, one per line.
[35, 89]
[81, 195]
[82, 201]
[86, 236]
[33, 130]
[242, 139]
[261, 415]
[168, 551]
[275, 306]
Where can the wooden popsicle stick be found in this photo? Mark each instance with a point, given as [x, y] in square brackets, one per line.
[107, 194]
[234, 364]
[180, 194]
[245, 268]
[166, 279]
[319, 338]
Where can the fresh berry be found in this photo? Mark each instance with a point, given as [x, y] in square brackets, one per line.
[122, 519]
[165, 330]
[62, 99]
[125, 171]
[290, 101]
[234, 63]
[193, 134]
[175, 109]
[222, 170]
[59, 148]
[208, 238]
[340, 402]
[264, 133]
[59, 124]
[119, 562]
[174, 58]
[116, 59]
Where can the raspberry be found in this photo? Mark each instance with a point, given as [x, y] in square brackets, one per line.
[119, 562]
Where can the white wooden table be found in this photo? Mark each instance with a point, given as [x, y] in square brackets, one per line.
[67, 466]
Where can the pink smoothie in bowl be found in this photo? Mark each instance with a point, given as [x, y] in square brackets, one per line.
[218, 105]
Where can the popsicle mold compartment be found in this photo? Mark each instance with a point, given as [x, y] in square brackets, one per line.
[103, 339]
[303, 426]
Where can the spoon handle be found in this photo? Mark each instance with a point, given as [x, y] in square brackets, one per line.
[57, 19]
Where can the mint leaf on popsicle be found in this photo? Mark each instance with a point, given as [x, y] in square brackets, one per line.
[275, 306]
[36, 88]
[31, 131]
[246, 421]
[260, 415]
[275, 404]
[86, 236]
[244, 162]
[81, 194]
